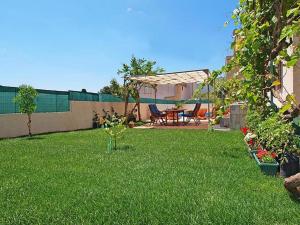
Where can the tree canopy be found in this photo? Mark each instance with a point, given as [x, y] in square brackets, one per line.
[136, 67]
[264, 39]
[26, 100]
[113, 89]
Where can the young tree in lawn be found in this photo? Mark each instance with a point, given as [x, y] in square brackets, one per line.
[136, 67]
[26, 101]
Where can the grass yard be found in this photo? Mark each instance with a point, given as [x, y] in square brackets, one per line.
[160, 177]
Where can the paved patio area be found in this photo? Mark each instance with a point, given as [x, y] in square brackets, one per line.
[191, 125]
[203, 126]
[181, 125]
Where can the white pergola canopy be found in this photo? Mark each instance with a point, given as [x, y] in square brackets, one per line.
[184, 77]
[177, 78]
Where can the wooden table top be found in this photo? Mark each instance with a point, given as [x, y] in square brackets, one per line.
[174, 110]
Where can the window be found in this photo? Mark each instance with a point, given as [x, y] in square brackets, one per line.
[147, 90]
[280, 76]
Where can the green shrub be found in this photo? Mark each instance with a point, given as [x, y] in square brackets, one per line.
[295, 145]
[253, 119]
[296, 125]
[276, 134]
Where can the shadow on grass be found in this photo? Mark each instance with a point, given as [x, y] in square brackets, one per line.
[294, 198]
[125, 148]
[33, 138]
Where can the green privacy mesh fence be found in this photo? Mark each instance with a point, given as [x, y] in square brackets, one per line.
[52, 101]
[83, 96]
[112, 98]
[7, 95]
[59, 101]
[109, 98]
[47, 101]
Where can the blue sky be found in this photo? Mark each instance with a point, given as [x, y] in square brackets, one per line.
[75, 44]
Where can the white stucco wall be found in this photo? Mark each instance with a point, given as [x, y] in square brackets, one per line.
[79, 117]
[163, 92]
[169, 91]
[296, 76]
[290, 80]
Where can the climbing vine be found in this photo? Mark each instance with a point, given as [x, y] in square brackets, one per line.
[264, 39]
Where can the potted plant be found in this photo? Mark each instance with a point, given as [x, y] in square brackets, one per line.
[102, 122]
[95, 120]
[290, 158]
[131, 117]
[267, 162]
[290, 164]
[131, 124]
[278, 134]
[251, 142]
[178, 105]
[140, 123]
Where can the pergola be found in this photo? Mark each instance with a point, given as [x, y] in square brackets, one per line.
[177, 78]
[183, 77]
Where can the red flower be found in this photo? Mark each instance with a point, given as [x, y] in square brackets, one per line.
[244, 130]
[261, 153]
[250, 142]
[273, 155]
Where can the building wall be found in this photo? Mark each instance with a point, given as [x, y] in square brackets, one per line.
[229, 74]
[170, 92]
[296, 76]
[287, 84]
[297, 82]
[188, 91]
[163, 92]
[290, 80]
[79, 117]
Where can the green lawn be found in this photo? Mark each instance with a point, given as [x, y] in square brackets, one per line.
[160, 177]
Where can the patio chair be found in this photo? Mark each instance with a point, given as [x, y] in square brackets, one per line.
[193, 115]
[157, 115]
[202, 114]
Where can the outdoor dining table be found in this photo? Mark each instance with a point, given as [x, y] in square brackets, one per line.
[175, 114]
